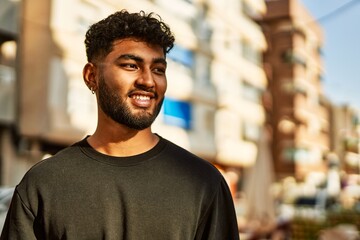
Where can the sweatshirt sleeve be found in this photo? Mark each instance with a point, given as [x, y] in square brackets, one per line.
[219, 221]
[19, 222]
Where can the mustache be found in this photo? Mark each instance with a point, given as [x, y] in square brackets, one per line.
[143, 90]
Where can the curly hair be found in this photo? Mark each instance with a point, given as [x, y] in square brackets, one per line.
[149, 28]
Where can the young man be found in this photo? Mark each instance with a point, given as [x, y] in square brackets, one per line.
[123, 182]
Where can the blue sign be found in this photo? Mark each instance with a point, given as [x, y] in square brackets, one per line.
[177, 113]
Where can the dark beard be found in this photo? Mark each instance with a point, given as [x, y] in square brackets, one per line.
[113, 106]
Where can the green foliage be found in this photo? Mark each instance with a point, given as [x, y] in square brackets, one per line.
[303, 228]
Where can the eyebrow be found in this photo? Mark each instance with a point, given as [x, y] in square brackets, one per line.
[140, 59]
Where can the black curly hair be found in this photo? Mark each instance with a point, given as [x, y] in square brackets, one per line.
[149, 28]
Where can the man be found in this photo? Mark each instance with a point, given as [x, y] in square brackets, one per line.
[123, 182]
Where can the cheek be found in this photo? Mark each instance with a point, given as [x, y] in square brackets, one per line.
[119, 81]
[162, 86]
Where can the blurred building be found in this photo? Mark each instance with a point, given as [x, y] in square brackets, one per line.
[237, 45]
[9, 32]
[216, 81]
[345, 131]
[237, 71]
[300, 113]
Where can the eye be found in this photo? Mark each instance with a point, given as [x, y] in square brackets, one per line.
[159, 70]
[130, 66]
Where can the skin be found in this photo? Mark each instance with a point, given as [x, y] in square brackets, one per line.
[135, 72]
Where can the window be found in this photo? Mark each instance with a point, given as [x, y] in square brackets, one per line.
[289, 56]
[7, 94]
[350, 144]
[203, 27]
[203, 70]
[9, 16]
[296, 154]
[86, 15]
[209, 121]
[251, 93]
[250, 53]
[355, 120]
[251, 132]
[7, 79]
[182, 55]
[177, 113]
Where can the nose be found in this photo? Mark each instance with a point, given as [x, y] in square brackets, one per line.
[146, 79]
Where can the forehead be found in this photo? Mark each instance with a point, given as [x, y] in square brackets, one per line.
[136, 47]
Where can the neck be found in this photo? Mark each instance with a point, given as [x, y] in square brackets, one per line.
[122, 141]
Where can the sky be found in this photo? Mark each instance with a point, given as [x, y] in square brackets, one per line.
[339, 20]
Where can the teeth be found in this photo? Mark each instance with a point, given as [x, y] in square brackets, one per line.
[139, 97]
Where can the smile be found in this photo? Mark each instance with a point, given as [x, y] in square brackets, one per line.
[142, 100]
[140, 97]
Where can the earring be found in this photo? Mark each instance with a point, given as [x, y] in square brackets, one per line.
[92, 90]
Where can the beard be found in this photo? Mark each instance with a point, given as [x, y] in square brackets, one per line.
[116, 108]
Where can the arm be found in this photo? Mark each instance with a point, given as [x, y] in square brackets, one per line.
[219, 222]
[19, 221]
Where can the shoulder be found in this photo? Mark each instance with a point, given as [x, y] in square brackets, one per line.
[192, 164]
[49, 168]
[48, 174]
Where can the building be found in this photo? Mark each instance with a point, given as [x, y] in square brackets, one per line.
[9, 32]
[300, 113]
[237, 72]
[345, 131]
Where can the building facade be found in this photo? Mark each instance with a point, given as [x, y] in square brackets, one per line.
[345, 131]
[237, 72]
[300, 112]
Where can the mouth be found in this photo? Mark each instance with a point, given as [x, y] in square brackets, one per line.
[142, 99]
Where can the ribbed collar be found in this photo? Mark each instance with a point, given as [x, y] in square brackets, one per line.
[121, 161]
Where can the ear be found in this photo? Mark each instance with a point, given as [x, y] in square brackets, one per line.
[89, 76]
